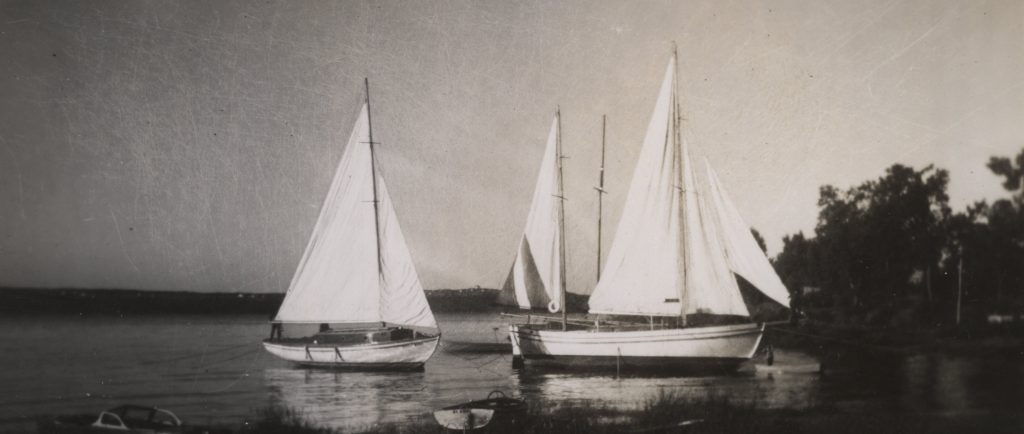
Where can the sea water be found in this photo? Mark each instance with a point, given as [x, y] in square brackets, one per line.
[212, 370]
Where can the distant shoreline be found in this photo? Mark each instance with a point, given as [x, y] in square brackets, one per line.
[130, 302]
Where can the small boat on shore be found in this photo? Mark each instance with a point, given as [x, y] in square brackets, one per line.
[127, 419]
[497, 413]
[356, 301]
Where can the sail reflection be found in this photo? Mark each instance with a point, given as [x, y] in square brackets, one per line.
[348, 399]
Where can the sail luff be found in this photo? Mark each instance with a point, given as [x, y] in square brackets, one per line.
[373, 174]
[600, 194]
[682, 186]
[561, 223]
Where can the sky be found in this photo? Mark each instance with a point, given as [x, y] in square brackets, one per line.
[188, 145]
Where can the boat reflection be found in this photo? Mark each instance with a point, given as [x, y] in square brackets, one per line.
[789, 383]
[348, 399]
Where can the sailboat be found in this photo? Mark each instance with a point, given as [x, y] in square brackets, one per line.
[355, 300]
[675, 258]
[536, 278]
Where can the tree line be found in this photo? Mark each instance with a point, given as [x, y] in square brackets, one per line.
[890, 251]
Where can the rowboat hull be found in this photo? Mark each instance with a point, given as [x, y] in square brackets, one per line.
[497, 413]
[393, 355]
[717, 347]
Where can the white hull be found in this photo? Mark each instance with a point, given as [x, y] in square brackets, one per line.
[717, 346]
[406, 354]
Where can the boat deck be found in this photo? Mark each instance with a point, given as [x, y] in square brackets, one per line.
[354, 336]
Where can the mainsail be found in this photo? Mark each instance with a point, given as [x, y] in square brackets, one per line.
[339, 279]
[643, 272]
[678, 242]
[536, 275]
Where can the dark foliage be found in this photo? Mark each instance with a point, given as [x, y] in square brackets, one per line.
[889, 251]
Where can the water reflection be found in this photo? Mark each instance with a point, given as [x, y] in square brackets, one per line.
[950, 385]
[781, 386]
[212, 370]
[347, 398]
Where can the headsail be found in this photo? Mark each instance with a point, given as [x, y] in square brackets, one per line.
[534, 282]
[710, 286]
[744, 255]
[338, 280]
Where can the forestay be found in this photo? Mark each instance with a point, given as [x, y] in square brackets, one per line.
[536, 275]
[338, 279]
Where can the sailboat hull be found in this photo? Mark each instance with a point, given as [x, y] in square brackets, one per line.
[718, 347]
[393, 355]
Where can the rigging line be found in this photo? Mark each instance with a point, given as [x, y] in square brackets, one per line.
[235, 357]
[245, 373]
[192, 356]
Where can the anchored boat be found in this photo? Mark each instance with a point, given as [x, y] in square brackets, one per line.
[356, 300]
[673, 263]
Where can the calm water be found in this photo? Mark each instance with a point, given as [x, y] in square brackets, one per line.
[213, 370]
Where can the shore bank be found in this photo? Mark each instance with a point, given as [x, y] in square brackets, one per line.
[668, 413]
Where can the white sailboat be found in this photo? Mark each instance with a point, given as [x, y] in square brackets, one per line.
[536, 278]
[676, 253]
[355, 300]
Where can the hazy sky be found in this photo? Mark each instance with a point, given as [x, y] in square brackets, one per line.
[188, 145]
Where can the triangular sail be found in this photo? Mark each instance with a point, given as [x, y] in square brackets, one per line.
[338, 280]
[744, 255]
[534, 282]
[642, 275]
[402, 298]
[710, 286]
[666, 259]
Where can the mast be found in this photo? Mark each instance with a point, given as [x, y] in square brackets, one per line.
[373, 173]
[561, 220]
[677, 144]
[600, 193]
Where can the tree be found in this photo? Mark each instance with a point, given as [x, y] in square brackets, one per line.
[990, 240]
[872, 240]
[1002, 166]
[760, 240]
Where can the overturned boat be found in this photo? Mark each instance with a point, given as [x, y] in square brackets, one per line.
[497, 413]
[356, 301]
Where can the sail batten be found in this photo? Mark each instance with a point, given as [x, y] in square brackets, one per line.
[342, 277]
[535, 280]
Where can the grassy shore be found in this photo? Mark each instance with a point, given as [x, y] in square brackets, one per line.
[669, 413]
